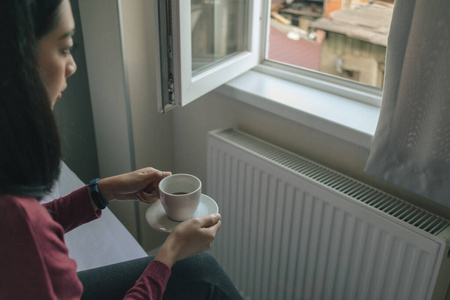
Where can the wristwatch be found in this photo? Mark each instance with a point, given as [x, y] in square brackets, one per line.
[96, 195]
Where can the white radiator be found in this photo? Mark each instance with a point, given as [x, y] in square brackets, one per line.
[293, 229]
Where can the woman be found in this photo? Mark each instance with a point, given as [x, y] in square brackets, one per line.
[35, 61]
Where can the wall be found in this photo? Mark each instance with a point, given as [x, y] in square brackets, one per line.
[216, 111]
[152, 131]
[130, 133]
[177, 141]
[74, 115]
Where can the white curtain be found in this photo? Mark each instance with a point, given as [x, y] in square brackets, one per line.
[411, 146]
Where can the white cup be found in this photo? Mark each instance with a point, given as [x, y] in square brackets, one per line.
[180, 196]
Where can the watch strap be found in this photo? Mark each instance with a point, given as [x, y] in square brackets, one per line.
[96, 195]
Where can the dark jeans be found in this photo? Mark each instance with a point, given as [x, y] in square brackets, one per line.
[197, 277]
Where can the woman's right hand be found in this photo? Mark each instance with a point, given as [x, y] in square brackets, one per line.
[191, 237]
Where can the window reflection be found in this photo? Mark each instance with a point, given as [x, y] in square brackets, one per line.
[218, 31]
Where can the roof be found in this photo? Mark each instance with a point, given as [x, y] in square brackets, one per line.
[300, 52]
[369, 23]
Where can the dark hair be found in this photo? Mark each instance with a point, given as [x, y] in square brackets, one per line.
[30, 148]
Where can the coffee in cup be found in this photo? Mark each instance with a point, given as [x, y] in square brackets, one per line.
[180, 196]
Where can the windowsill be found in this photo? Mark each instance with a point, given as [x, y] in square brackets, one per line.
[338, 116]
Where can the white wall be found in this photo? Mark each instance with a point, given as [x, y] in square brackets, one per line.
[215, 111]
[130, 134]
[152, 131]
[74, 115]
[176, 141]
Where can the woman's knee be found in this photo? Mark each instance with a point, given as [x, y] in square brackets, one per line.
[202, 274]
[197, 267]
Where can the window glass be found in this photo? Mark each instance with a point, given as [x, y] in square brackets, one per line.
[218, 29]
[345, 38]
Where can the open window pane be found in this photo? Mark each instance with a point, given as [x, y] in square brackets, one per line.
[217, 28]
[204, 44]
[344, 38]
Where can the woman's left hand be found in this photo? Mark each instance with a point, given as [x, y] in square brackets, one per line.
[139, 185]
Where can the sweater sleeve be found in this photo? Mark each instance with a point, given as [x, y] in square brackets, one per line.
[34, 261]
[73, 210]
[152, 283]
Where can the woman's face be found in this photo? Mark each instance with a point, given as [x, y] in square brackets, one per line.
[54, 58]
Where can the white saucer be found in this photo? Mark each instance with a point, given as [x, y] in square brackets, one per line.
[157, 218]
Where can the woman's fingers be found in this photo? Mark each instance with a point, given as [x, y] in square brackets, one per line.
[191, 237]
[152, 176]
[137, 185]
[210, 220]
[147, 198]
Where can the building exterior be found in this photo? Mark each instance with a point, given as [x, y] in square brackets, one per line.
[351, 35]
[355, 43]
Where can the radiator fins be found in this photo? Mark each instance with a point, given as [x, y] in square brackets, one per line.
[340, 183]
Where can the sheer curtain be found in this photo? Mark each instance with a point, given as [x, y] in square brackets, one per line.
[411, 146]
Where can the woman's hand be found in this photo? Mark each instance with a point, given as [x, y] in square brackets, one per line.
[191, 237]
[139, 185]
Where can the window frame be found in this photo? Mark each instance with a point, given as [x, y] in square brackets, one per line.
[354, 119]
[192, 87]
[342, 108]
[321, 81]
[325, 82]
[188, 87]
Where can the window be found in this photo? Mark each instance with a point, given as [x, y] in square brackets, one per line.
[205, 48]
[344, 38]
[219, 40]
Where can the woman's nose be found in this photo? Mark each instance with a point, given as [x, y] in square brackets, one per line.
[71, 67]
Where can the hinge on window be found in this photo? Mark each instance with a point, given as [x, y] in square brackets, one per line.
[170, 86]
[166, 55]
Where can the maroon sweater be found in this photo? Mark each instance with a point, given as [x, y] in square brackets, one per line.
[34, 260]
